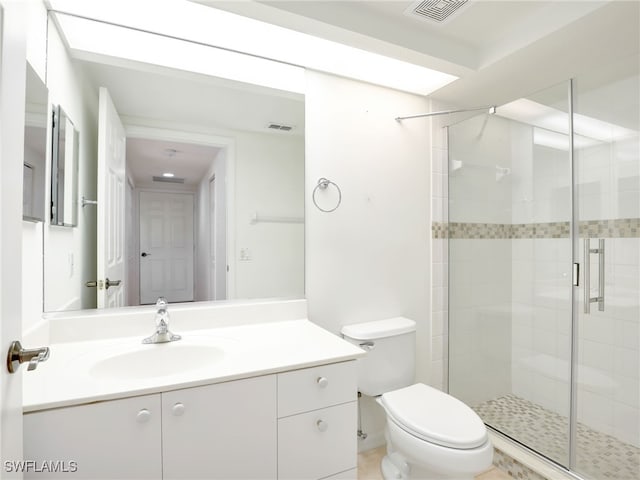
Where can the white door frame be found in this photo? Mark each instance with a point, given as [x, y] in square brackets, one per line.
[13, 29]
[227, 143]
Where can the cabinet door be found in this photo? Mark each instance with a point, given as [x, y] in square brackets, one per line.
[118, 439]
[222, 431]
[318, 444]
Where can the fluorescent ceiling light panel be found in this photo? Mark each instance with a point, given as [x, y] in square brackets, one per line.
[87, 37]
[206, 25]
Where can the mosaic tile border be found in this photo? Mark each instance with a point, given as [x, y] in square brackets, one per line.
[614, 228]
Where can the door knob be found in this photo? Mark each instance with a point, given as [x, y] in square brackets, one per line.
[144, 254]
[111, 283]
[18, 355]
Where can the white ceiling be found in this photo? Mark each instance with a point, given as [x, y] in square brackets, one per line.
[149, 158]
[186, 101]
[500, 49]
[199, 101]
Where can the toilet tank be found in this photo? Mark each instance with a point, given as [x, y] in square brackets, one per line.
[390, 360]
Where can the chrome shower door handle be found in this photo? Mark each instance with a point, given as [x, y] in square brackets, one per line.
[601, 275]
[588, 299]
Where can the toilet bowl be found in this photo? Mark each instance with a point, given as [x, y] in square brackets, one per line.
[429, 434]
[432, 435]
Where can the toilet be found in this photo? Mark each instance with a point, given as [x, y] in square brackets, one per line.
[430, 435]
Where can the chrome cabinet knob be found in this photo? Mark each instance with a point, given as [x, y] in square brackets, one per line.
[143, 416]
[178, 409]
[322, 425]
[322, 382]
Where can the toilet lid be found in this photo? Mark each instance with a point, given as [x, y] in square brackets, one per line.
[435, 417]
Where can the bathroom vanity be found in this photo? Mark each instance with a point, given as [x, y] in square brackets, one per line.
[269, 400]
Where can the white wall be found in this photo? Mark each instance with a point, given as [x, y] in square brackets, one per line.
[269, 256]
[369, 259]
[65, 272]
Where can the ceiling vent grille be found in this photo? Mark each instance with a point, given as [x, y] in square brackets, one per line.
[278, 126]
[435, 10]
[168, 179]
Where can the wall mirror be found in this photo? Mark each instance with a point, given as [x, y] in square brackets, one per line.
[209, 179]
[64, 170]
[35, 148]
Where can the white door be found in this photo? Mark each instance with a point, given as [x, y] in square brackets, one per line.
[166, 247]
[111, 204]
[12, 98]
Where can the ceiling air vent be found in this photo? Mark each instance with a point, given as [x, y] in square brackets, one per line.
[168, 179]
[435, 10]
[278, 126]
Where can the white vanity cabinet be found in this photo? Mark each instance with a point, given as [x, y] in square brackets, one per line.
[118, 439]
[221, 431]
[317, 421]
[299, 424]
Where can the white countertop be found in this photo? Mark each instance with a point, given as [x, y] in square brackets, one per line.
[249, 350]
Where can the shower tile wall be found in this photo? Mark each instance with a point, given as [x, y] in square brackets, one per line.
[439, 257]
[480, 260]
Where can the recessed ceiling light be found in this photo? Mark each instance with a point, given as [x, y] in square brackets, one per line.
[168, 175]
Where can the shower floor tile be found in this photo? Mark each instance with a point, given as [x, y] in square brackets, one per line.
[599, 456]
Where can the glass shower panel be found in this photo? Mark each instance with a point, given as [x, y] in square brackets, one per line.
[607, 156]
[510, 269]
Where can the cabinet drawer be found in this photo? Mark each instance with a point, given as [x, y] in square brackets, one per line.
[318, 444]
[318, 387]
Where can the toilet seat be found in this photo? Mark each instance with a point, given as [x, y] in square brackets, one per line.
[435, 417]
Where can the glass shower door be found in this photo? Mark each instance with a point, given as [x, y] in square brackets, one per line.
[607, 158]
[510, 287]
[544, 270]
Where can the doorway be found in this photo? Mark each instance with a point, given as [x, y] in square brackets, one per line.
[169, 214]
[166, 246]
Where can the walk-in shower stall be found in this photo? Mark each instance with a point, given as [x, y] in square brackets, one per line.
[544, 280]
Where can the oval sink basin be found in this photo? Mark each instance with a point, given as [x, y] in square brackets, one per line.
[157, 361]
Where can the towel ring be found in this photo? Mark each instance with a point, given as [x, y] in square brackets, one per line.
[323, 184]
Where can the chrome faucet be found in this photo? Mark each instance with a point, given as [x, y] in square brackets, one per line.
[162, 333]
